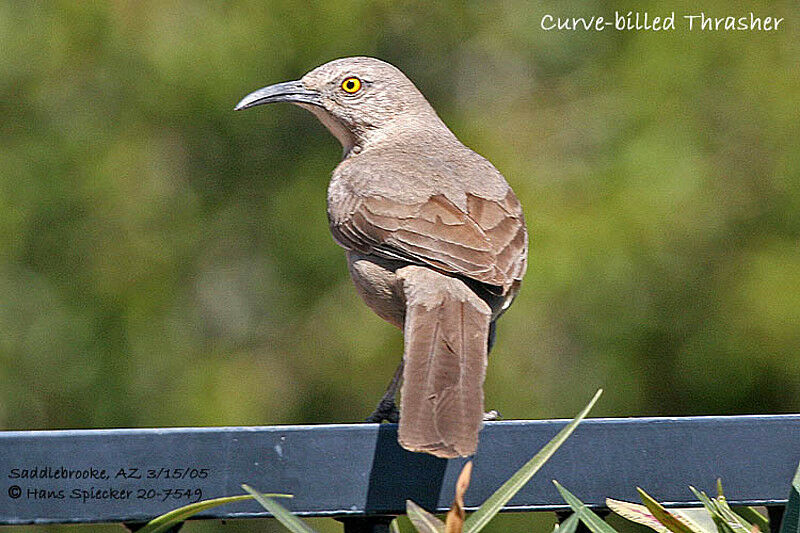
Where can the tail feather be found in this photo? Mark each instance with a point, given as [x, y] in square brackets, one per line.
[446, 332]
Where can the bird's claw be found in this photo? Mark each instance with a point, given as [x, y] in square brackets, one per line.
[492, 415]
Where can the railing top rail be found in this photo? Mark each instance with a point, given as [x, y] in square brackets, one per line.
[126, 475]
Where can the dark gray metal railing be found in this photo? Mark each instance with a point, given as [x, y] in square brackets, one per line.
[358, 473]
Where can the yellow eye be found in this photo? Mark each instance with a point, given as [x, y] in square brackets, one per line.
[351, 85]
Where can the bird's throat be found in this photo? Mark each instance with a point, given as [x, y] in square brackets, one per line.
[344, 135]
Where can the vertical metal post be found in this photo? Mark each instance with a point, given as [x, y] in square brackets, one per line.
[367, 524]
[775, 514]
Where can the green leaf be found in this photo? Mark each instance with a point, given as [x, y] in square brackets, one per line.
[289, 521]
[733, 520]
[423, 521]
[723, 526]
[394, 527]
[723, 516]
[636, 513]
[713, 510]
[791, 516]
[710, 506]
[501, 496]
[674, 521]
[569, 525]
[586, 515]
[754, 517]
[174, 517]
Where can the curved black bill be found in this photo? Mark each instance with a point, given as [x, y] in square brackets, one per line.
[288, 91]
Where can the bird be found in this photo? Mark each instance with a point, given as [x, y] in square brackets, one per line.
[435, 240]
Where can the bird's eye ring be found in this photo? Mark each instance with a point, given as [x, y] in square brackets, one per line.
[351, 85]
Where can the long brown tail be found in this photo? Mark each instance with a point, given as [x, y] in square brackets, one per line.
[446, 331]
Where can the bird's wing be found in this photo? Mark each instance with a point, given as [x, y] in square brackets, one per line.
[486, 242]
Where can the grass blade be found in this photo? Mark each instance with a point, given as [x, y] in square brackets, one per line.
[393, 527]
[501, 496]
[710, 506]
[754, 517]
[290, 521]
[586, 515]
[733, 520]
[713, 510]
[569, 525]
[674, 522]
[423, 521]
[636, 513]
[172, 518]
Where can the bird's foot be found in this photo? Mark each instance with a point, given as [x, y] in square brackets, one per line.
[492, 415]
[386, 410]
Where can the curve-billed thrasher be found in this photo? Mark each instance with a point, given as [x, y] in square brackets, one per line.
[435, 238]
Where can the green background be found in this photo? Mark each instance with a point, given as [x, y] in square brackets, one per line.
[165, 261]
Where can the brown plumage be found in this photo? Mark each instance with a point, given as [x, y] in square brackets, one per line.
[435, 238]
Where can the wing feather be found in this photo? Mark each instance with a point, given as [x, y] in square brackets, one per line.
[486, 242]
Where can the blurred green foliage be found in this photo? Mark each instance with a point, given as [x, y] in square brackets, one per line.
[165, 261]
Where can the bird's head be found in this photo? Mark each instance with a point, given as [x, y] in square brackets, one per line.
[354, 97]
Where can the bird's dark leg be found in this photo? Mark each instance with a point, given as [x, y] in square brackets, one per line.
[387, 408]
[492, 336]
